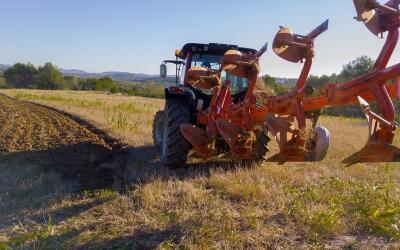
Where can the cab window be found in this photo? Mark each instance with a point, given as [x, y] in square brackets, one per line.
[238, 84]
[208, 61]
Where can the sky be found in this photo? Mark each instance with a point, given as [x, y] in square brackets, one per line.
[135, 36]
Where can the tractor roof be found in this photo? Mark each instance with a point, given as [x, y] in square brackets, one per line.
[212, 48]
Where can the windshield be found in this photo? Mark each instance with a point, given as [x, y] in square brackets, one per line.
[238, 84]
[208, 61]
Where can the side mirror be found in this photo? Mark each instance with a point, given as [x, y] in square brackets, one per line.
[163, 71]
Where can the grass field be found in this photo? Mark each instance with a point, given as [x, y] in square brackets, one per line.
[294, 205]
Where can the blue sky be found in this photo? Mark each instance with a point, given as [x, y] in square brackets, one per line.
[135, 36]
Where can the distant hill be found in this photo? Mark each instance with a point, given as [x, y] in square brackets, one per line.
[72, 71]
[117, 75]
[133, 77]
[3, 67]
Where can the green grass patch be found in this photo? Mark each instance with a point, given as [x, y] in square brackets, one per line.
[104, 194]
[32, 234]
[334, 205]
[4, 246]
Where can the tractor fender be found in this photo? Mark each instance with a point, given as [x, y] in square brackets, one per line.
[179, 92]
[172, 93]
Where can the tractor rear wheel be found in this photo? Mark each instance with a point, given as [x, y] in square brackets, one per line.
[175, 148]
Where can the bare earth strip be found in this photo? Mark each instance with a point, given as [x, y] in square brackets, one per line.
[40, 134]
[25, 126]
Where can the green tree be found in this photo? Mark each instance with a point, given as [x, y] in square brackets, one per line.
[21, 75]
[319, 81]
[87, 83]
[70, 82]
[271, 83]
[355, 68]
[49, 77]
[105, 84]
[2, 80]
[269, 80]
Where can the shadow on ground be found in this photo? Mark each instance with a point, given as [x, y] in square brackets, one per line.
[96, 166]
[91, 164]
[143, 165]
[36, 177]
[32, 179]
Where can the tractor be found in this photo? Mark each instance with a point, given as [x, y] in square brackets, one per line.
[186, 100]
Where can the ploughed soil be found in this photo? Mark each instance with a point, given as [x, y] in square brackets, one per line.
[58, 142]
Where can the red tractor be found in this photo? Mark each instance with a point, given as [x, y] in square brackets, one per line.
[185, 100]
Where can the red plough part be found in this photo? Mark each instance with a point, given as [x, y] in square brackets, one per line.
[285, 116]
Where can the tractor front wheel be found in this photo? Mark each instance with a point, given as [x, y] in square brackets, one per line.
[158, 129]
[174, 147]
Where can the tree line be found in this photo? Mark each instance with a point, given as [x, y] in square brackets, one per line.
[350, 71]
[2, 80]
[22, 75]
[49, 77]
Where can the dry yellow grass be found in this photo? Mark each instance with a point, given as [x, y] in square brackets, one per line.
[294, 205]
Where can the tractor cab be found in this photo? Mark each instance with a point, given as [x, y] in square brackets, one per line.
[205, 57]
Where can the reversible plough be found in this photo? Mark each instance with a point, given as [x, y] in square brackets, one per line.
[292, 118]
[237, 122]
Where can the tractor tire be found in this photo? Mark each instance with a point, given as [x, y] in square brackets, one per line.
[158, 129]
[175, 148]
[260, 146]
